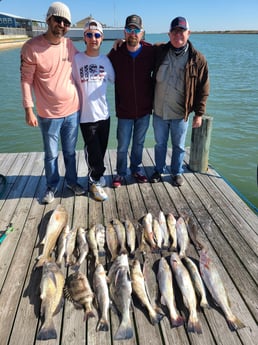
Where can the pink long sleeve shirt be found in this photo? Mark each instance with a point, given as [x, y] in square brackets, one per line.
[46, 73]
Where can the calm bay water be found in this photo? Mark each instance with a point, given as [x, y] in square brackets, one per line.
[233, 104]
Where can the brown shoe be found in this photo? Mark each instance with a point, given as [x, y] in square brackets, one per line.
[140, 178]
[177, 180]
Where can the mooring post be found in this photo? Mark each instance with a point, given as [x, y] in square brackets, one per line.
[200, 145]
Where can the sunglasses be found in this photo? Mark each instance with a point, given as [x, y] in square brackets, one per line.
[132, 31]
[90, 34]
[60, 20]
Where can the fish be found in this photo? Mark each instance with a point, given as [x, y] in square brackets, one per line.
[56, 223]
[61, 244]
[77, 290]
[158, 233]
[51, 294]
[185, 285]
[130, 236]
[213, 281]
[148, 231]
[82, 247]
[165, 282]
[182, 236]
[120, 293]
[193, 233]
[171, 223]
[100, 288]
[92, 242]
[197, 281]
[121, 235]
[139, 289]
[100, 233]
[70, 247]
[112, 241]
[163, 226]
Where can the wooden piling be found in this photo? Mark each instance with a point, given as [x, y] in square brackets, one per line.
[200, 145]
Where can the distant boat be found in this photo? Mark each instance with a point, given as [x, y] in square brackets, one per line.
[110, 33]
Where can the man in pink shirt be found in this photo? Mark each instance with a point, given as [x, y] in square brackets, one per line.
[46, 73]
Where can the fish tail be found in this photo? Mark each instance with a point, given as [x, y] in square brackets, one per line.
[177, 322]
[204, 303]
[123, 250]
[88, 314]
[124, 331]
[102, 253]
[156, 318]
[194, 325]
[41, 260]
[234, 323]
[47, 331]
[102, 325]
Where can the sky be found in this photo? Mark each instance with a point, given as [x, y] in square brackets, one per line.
[202, 15]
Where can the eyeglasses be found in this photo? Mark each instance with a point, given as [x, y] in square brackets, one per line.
[132, 31]
[91, 34]
[60, 20]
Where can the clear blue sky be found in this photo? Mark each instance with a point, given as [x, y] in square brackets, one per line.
[202, 15]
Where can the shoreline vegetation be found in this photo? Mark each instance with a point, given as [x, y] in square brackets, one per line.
[17, 41]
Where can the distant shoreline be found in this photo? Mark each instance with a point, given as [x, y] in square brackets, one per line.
[14, 42]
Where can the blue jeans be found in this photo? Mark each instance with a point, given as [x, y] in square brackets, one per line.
[65, 128]
[177, 130]
[137, 129]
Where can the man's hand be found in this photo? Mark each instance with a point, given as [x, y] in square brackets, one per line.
[197, 121]
[118, 43]
[31, 118]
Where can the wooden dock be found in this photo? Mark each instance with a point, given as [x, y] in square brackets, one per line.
[224, 222]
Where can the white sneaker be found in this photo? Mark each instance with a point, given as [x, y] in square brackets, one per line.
[98, 192]
[101, 182]
[49, 196]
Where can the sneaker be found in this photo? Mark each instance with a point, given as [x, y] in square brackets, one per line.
[117, 181]
[101, 182]
[177, 180]
[140, 178]
[156, 177]
[49, 196]
[98, 192]
[76, 188]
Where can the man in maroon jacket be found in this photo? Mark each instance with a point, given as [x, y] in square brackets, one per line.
[133, 63]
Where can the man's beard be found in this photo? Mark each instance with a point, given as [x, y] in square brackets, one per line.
[132, 41]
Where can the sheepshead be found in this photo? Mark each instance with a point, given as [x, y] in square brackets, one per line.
[148, 231]
[120, 261]
[164, 228]
[77, 290]
[100, 288]
[61, 245]
[92, 242]
[82, 247]
[213, 281]
[100, 233]
[120, 293]
[139, 288]
[121, 235]
[182, 236]
[165, 283]
[57, 222]
[171, 222]
[70, 247]
[197, 281]
[186, 287]
[130, 235]
[112, 241]
[193, 233]
[158, 233]
[51, 294]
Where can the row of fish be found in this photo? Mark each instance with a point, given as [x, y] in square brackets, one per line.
[163, 233]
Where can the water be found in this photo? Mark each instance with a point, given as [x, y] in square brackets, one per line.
[233, 104]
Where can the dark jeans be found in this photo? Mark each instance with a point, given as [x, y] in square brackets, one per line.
[95, 135]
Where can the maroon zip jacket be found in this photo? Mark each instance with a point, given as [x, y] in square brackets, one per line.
[134, 87]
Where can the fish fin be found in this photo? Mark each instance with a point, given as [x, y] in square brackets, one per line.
[102, 326]
[47, 332]
[194, 326]
[234, 323]
[124, 331]
[157, 318]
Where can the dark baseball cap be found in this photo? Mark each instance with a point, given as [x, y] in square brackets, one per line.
[134, 20]
[179, 22]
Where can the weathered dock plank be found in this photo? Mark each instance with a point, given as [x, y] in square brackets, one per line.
[224, 222]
